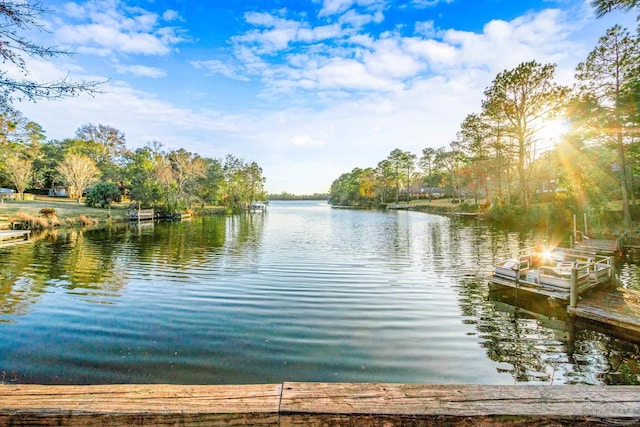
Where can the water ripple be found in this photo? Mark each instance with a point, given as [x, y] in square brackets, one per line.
[303, 293]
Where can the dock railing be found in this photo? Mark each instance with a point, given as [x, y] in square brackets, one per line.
[141, 214]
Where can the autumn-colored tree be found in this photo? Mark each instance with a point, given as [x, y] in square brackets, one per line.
[186, 169]
[106, 146]
[19, 171]
[78, 172]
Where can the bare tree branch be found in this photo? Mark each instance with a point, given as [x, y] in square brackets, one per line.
[17, 17]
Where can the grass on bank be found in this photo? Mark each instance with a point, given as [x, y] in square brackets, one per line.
[66, 210]
[69, 212]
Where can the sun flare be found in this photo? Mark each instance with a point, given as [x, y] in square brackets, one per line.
[552, 130]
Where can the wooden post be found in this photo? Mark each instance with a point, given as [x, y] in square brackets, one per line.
[573, 299]
[575, 229]
[585, 224]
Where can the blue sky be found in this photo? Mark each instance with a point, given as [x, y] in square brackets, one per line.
[308, 89]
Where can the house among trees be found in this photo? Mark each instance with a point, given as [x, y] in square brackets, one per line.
[59, 191]
[7, 193]
[433, 192]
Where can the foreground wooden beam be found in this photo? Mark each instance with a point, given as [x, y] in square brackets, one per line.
[315, 404]
[125, 405]
[318, 404]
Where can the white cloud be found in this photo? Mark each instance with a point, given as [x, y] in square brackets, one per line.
[429, 3]
[323, 32]
[95, 36]
[340, 73]
[306, 141]
[260, 19]
[332, 7]
[389, 60]
[425, 28]
[110, 26]
[215, 66]
[74, 10]
[434, 52]
[170, 15]
[355, 19]
[140, 70]
[335, 7]
[339, 56]
[275, 35]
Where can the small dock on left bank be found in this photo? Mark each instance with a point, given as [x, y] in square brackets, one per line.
[319, 404]
[141, 215]
[13, 237]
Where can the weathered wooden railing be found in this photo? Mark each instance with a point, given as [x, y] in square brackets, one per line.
[141, 214]
[318, 404]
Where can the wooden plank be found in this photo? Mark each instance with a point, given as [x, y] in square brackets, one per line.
[140, 404]
[9, 238]
[320, 404]
[606, 247]
[619, 308]
[141, 214]
[7, 234]
[315, 404]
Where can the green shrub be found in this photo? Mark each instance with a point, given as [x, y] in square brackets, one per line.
[103, 194]
[505, 214]
[468, 207]
[538, 215]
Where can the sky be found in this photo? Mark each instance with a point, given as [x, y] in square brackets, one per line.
[308, 89]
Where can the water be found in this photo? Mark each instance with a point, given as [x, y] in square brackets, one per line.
[302, 293]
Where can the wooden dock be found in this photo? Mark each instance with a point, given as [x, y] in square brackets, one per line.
[257, 207]
[141, 215]
[599, 246]
[318, 404]
[584, 271]
[619, 308]
[402, 206]
[14, 237]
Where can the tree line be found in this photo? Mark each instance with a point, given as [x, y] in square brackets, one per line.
[97, 158]
[97, 163]
[503, 153]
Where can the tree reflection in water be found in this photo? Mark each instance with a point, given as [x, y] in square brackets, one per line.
[96, 264]
[537, 343]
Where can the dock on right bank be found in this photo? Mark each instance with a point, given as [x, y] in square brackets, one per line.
[619, 308]
[582, 280]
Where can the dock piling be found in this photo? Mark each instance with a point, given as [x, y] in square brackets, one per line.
[573, 297]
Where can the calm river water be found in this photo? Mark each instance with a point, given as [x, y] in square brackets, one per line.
[302, 293]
